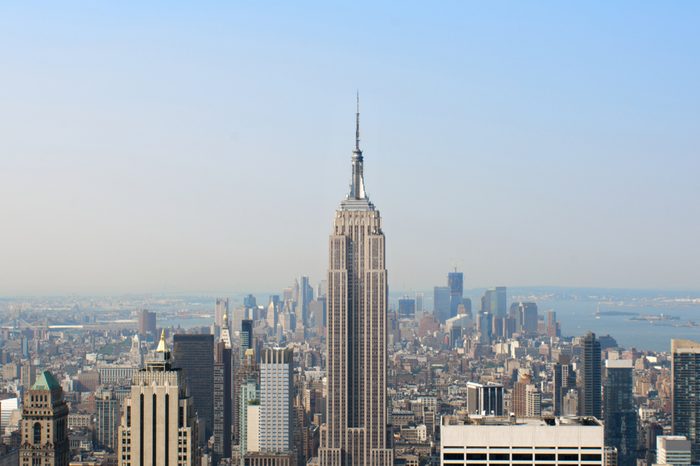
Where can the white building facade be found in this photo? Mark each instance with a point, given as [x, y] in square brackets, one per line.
[529, 441]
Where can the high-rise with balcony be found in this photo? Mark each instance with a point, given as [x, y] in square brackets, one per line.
[355, 432]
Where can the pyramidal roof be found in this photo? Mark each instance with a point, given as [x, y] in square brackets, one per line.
[46, 381]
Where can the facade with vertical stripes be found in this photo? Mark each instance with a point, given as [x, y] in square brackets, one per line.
[158, 423]
[355, 432]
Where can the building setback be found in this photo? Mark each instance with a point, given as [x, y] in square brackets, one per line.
[158, 425]
[355, 431]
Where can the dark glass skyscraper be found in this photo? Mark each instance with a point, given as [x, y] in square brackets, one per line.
[246, 336]
[589, 400]
[455, 282]
[620, 415]
[223, 409]
[441, 303]
[685, 373]
[194, 354]
[407, 308]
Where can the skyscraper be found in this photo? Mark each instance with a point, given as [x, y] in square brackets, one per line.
[276, 400]
[533, 401]
[272, 311]
[407, 308]
[553, 329]
[147, 323]
[564, 380]
[249, 302]
[158, 422]
[485, 399]
[419, 303]
[441, 303]
[220, 310]
[528, 318]
[495, 301]
[620, 415]
[355, 432]
[246, 336]
[194, 354]
[520, 389]
[107, 425]
[222, 394]
[248, 406]
[589, 378]
[672, 449]
[685, 373]
[455, 282]
[306, 294]
[44, 424]
[245, 371]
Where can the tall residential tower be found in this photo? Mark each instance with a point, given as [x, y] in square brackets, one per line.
[355, 432]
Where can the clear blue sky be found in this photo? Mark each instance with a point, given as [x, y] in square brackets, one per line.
[204, 146]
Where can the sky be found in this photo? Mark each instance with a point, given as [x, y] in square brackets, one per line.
[204, 146]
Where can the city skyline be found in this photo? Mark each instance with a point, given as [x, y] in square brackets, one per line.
[175, 289]
[152, 163]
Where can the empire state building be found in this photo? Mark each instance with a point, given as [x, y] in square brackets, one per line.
[355, 433]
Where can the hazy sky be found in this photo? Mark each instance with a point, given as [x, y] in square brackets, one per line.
[204, 146]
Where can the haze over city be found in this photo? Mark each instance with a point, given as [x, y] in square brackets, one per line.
[361, 234]
[183, 148]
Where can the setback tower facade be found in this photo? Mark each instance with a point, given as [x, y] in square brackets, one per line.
[355, 432]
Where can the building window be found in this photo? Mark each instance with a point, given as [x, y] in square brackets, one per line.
[37, 433]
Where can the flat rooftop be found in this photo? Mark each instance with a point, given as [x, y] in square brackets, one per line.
[521, 421]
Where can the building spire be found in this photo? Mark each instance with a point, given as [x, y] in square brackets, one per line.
[357, 186]
[357, 124]
[162, 346]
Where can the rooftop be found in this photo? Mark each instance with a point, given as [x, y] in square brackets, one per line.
[46, 381]
[522, 421]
